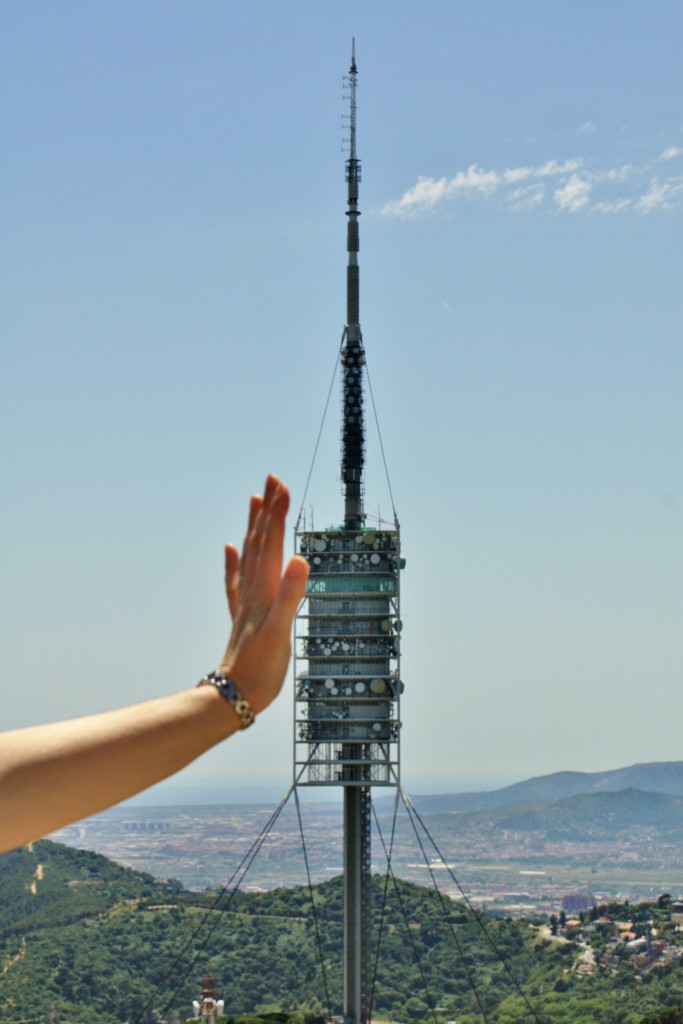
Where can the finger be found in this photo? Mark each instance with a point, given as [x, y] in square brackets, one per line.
[232, 578]
[255, 505]
[250, 546]
[270, 542]
[261, 561]
[290, 594]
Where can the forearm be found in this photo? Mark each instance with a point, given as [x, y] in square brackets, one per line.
[51, 775]
[54, 774]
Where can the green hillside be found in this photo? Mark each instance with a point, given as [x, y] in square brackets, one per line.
[84, 941]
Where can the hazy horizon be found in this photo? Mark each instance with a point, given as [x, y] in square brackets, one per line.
[216, 790]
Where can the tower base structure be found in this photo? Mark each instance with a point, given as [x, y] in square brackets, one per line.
[347, 659]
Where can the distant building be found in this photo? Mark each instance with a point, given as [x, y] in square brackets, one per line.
[574, 902]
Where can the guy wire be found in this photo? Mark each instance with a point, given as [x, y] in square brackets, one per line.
[247, 860]
[320, 431]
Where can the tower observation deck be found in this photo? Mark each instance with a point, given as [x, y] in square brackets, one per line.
[347, 647]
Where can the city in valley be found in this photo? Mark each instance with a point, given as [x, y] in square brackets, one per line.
[507, 871]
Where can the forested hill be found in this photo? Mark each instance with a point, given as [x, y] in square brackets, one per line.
[83, 940]
[595, 817]
[47, 885]
[656, 777]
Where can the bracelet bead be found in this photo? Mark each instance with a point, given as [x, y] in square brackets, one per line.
[229, 692]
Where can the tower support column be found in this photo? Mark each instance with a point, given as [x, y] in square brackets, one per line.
[357, 837]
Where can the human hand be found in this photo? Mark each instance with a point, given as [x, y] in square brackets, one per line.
[262, 600]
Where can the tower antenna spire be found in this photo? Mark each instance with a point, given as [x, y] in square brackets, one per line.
[353, 71]
[353, 356]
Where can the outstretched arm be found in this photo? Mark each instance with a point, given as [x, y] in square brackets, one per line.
[51, 775]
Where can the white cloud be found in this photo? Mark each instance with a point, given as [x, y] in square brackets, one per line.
[614, 174]
[573, 195]
[587, 128]
[552, 167]
[527, 198]
[423, 196]
[582, 187]
[611, 206]
[517, 174]
[661, 195]
[654, 197]
[429, 192]
[476, 179]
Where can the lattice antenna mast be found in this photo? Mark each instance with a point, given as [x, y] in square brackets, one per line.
[352, 356]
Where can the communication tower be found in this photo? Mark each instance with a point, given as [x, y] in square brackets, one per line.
[210, 1008]
[347, 650]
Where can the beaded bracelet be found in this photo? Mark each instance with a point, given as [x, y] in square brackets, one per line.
[229, 691]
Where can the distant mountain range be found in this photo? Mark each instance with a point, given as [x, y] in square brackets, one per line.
[654, 818]
[626, 817]
[657, 777]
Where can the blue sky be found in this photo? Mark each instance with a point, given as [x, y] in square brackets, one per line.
[172, 297]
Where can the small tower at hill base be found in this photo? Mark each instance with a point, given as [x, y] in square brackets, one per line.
[347, 651]
[210, 1009]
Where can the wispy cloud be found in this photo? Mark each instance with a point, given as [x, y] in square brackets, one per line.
[613, 174]
[551, 167]
[528, 197]
[661, 195]
[587, 128]
[573, 195]
[517, 173]
[573, 187]
[427, 193]
[611, 206]
[474, 179]
[546, 170]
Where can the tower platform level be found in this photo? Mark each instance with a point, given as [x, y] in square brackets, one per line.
[347, 659]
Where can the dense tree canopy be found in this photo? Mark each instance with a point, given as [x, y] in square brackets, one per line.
[84, 940]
